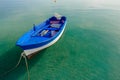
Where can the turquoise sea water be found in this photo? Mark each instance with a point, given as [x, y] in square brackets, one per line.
[89, 49]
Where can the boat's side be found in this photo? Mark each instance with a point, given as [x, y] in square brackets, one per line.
[33, 50]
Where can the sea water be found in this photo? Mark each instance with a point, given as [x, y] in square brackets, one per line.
[89, 49]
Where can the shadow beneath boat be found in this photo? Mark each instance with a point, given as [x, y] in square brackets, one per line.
[10, 58]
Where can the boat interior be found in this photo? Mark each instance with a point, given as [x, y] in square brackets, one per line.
[53, 25]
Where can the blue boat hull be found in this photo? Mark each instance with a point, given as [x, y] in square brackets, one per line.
[32, 42]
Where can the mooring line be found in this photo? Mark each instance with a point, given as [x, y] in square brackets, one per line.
[10, 70]
[28, 74]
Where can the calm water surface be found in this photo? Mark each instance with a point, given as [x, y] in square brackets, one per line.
[88, 50]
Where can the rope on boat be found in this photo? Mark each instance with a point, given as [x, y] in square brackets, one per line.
[10, 70]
